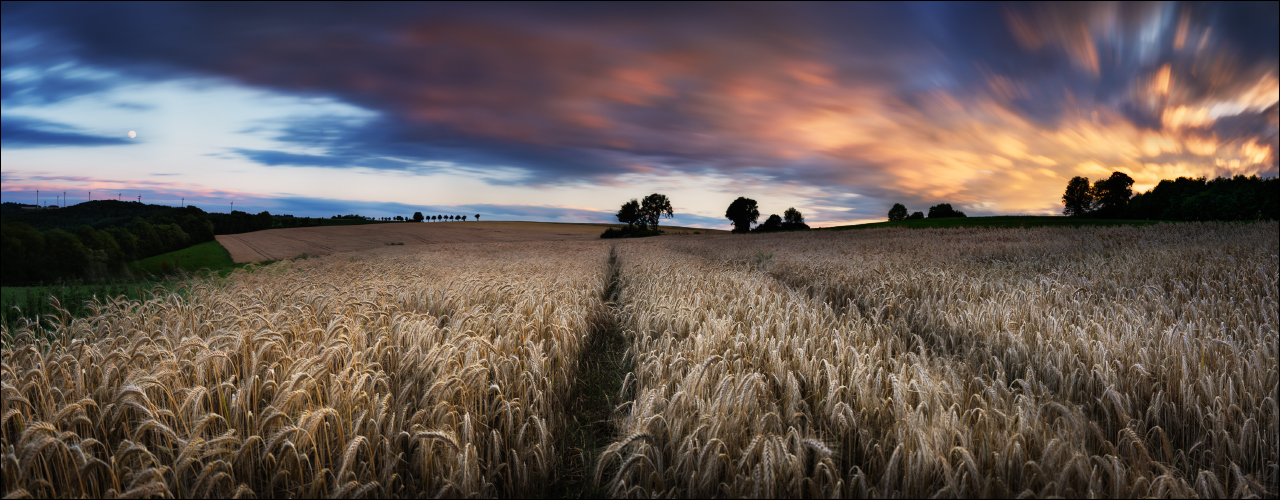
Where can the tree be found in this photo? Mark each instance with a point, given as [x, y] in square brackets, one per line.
[654, 207]
[464, 218]
[1112, 194]
[262, 220]
[742, 212]
[792, 220]
[898, 212]
[916, 216]
[1078, 198]
[417, 217]
[629, 214]
[771, 224]
[944, 210]
[477, 217]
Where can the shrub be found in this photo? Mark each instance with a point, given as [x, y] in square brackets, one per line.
[630, 232]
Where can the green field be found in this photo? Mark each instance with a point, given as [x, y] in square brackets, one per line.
[209, 255]
[33, 301]
[999, 221]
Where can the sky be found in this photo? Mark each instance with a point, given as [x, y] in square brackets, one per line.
[564, 111]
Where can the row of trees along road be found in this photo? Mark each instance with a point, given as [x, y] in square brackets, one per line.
[1187, 199]
[418, 217]
[745, 211]
[939, 211]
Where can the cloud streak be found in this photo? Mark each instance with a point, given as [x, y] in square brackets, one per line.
[19, 132]
[990, 107]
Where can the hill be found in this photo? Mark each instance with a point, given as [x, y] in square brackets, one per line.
[98, 214]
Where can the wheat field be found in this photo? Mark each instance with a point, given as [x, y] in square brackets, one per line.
[1116, 362]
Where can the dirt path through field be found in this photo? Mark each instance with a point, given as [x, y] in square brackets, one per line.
[591, 428]
[277, 244]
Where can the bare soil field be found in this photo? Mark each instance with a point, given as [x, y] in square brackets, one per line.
[277, 244]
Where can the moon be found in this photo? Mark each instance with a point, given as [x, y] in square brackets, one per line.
[132, 134]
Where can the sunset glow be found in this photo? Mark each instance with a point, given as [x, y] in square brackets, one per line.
[562, 112]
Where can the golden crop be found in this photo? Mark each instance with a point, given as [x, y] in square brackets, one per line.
[1118, 362]
[389, 374]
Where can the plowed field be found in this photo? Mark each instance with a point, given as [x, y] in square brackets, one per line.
[277, 244]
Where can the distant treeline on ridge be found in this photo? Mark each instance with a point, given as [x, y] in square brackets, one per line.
[1182, 199]
[95, 239]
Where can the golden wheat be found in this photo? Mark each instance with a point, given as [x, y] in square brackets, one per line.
[1122, 362]
[385, 374]
[1106, 361]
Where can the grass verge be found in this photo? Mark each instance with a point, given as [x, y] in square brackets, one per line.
[145, 275]
[31, 302]
[209, 255]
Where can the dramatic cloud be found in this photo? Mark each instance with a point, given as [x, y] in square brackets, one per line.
[850, 107]
[18, 132]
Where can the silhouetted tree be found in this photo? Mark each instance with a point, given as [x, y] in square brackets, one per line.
[742, 212]
[417, 217]
[771, 224]
[22, 256]
[629, 214]
[66, 256]
[916, 215]
[944, 210]
[477, 217]
[262, 221]
[464, 218]
[1223, 198]
[654, 207]
[793, 220]
[1078, 198]
[1112, 194]
[898, 212]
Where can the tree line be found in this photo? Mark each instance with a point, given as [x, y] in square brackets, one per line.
[93, 241]
[34, 256]
[418, 217]
[743, 212]
[940, 211]
[642, 216]
[1183, 199]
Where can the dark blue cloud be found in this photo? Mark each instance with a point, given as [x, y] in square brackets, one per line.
[570, 92]
[48, 87]
[19, 132]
